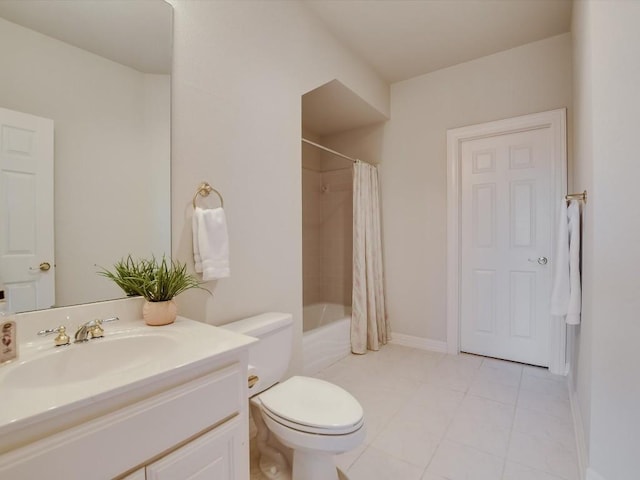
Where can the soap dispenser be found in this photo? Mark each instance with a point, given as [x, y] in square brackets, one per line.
[8, 340]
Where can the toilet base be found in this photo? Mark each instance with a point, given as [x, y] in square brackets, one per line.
[313, 466]
[273, 470]
[273, 463]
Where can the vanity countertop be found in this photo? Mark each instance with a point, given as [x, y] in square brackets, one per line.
[50, 388]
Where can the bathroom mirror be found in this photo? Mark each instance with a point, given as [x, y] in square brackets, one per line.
[100, 70]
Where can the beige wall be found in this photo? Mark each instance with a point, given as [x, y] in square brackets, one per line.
[606, 144]
[532, 78]
[337, 235]
[311, 221]
[111, 130]
[240, 69]
[311, 236]
[579, 338]
[364, 143]
[327, 231]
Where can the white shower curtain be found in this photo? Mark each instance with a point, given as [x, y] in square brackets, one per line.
[369, 326]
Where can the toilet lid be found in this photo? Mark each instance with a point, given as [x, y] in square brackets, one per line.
[314, 403]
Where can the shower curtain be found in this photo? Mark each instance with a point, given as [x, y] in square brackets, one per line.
[369, 326]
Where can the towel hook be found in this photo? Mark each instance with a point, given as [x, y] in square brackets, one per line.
[204, 190]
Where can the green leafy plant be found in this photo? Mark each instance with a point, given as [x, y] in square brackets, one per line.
[155, 280]
[127, 274]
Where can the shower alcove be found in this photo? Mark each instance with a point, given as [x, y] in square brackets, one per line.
[334, 117]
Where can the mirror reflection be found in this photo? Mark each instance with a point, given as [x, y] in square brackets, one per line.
[84, 145]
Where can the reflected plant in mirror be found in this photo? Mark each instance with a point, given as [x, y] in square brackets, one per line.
[85, 162]
[127, 274]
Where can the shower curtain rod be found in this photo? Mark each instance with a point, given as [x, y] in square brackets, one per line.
[322, 147]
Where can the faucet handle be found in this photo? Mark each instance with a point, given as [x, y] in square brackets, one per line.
[61, 339]
[95, 327]
[97, 331]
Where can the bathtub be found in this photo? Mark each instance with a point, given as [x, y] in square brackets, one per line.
[326, 335]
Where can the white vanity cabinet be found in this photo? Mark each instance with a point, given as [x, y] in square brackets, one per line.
[211, 456]
[196, 430]
[190, 421]
[208, 457]
[139, 474]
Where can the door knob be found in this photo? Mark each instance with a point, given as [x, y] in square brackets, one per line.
[44, 267]
[540, 260]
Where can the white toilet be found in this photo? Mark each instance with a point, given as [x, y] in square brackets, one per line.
[314, 418]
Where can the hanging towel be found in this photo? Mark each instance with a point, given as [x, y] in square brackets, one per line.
[210, 243]
[567, 295]
[195, 227]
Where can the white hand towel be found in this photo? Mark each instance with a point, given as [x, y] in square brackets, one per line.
[195, 227]
[210, 243]
[566, 296]
[561, 286]
[575, 299]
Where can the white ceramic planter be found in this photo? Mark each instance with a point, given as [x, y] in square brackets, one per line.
[159, 313]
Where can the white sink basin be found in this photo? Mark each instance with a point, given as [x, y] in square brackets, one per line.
[86, 361]
[49, 388]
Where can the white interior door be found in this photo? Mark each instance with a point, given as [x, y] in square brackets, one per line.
[26, 210]
[506, 242]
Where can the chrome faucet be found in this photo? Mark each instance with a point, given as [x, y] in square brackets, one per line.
[82, 334]
[91, 329]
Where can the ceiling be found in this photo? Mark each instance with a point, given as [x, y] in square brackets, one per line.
[401, 39]
[143, 25]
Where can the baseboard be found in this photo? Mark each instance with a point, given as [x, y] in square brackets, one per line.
[592, 475]
[418, 342]
[578, 426]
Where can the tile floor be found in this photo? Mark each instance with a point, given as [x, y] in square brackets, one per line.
[432, 416]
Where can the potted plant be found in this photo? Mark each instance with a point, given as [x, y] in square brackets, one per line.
[126, 274]
[158, 281]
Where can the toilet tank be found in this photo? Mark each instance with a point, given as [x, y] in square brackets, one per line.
[269, 357]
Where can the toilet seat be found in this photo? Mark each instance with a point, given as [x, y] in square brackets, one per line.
[312, 405]
[309, 429]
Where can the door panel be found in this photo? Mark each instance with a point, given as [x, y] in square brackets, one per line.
[506, 225]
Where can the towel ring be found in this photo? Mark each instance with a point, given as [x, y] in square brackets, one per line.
[204, 190]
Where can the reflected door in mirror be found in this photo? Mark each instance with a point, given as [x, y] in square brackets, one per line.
[26, 210]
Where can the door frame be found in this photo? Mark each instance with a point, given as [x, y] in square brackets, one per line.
[554, 119]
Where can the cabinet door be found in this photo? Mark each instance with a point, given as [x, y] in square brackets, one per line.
[213, 455]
